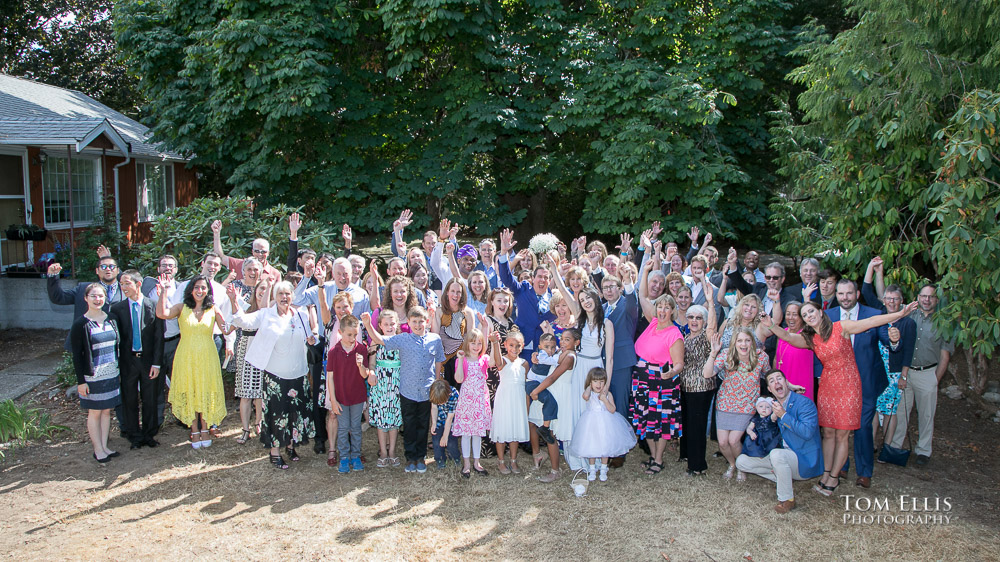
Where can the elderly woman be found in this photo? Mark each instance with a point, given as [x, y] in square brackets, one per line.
[279, 350]
[244, 290]
[696, 390]
[94, 345]
[655, 382]
[564, 315]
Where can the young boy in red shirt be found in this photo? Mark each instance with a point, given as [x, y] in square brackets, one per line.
[346, 375]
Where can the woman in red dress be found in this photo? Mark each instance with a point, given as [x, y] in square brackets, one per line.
[839, 401]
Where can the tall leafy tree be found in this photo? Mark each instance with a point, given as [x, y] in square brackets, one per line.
[895, 154]
[67, 43]
[598, 113]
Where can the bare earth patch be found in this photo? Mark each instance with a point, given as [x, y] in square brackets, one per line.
[228, 502]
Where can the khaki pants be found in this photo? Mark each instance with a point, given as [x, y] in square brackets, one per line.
[780, 466]
[922, 388]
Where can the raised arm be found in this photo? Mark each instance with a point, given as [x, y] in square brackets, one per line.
[294, 223]
[507, 243]
[366, 319]
[568, 298]
[858, 326]
[712, 321]
[404, 220]
[217, 241]
[162, 310]
[795, 340]
[58, 295]
[648, 310]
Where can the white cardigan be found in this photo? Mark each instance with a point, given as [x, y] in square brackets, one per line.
[280, 344]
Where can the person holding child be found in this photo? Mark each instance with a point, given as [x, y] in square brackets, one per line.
[542, 364]
[422, 359]
[567, 359]
[763, 435]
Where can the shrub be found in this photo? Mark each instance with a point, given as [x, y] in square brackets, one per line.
[20, 424]
[66, 373]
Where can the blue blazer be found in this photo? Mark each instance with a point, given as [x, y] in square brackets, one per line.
[624, 318]
[800, 430]
[532, 308]
[874, 379]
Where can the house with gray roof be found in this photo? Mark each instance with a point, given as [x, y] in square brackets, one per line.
[64, 157]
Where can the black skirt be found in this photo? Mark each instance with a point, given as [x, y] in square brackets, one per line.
[287, 414]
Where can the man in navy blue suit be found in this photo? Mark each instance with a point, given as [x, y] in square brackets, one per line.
[873, 376]
[532, 298]
[107, 275]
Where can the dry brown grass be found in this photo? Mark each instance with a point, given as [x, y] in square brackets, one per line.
[228, 502]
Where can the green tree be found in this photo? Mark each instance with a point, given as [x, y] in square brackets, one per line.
[67, 43]
[357, 110]
[894, 154]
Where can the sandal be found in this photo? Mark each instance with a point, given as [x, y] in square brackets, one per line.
[331, 459]
[292, 455]
[825, 490]
[741, 476]
[195, 440]
[214, 432]
[279, 462]
[513, 467]
[502, 467]
[538, 460]
[244, 437]
[654, 468]
[646, 464]
[206, 441]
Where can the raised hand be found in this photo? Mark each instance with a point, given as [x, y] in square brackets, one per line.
[808, 291]
[731, 259]
[461, 354]
[626, 243]
[294, 224]
[103, 252]
[716, 343]
[444, 229]
[671, 250]
[216, 226]
[908, 309]
[774, 295]
[54, 269]
[693, 235]
[507, 241]
[708, 238]
[405, 219]
[366, 319]
[347, 235]
[449, 248]
[656, 230]
[319, 273]
[876, 263]
[644, 239]
[231, 292]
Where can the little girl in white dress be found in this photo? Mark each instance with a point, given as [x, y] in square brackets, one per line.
[510, 416]
[600, 432]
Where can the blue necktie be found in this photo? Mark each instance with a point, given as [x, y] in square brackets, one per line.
[136, 336]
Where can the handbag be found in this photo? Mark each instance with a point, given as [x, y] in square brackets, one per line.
[893, 455]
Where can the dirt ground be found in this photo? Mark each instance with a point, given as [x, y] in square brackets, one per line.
[228, 502]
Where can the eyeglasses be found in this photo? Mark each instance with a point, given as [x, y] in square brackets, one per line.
[892, 299]
[107, 266]
[772, 277]
[693, 317]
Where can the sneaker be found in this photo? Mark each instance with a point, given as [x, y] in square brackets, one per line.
[604, 473]
[546, 434]
[421, 467]
[411, 467]
[345, 466]
[441, 464]
[592, 473]
[356, 464]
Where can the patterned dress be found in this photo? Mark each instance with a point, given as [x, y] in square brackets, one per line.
[245, 292]
[249, 379]
[493, 382]
[384, 410]
[473, 415]
[103, 380]
[839, 401]
[738, 392]
[656, 403]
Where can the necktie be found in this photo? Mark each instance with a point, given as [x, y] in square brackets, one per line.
[136, 335]
[850, 316]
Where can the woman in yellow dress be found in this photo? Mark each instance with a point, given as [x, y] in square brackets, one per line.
[197, 397]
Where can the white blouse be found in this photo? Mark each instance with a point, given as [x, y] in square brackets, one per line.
[280, 344]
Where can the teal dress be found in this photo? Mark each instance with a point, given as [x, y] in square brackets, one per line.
[384, 411]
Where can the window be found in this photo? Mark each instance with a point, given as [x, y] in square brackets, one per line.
[86, 191]
[155, 189]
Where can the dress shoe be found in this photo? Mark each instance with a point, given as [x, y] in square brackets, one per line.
[922, 461]
[617, 462]
[137, 445]
[152, 443]
[864, 482]
[785, 506]
[319, 447]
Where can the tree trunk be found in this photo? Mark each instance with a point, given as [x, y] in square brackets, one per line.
[978, 369]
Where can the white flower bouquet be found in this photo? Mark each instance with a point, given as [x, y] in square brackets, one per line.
[541, 244]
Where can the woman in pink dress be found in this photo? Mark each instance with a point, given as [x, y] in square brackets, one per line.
[839, 403]
[795, 363]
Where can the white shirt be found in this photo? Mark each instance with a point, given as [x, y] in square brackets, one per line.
[850, 314]
[280, 344]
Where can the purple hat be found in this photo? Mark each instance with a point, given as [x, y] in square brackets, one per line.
[467, 250]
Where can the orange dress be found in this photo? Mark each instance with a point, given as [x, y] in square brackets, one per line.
[839, 400]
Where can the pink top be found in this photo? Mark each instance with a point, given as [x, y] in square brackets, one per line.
[403, 327]
[654, 345]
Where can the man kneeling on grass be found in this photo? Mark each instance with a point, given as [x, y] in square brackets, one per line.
[802, 455]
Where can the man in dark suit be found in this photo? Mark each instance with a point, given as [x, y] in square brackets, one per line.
[623, 312]
[139, 361]
[873, 376]
[531, 297]
[107, 275]
[770, 292]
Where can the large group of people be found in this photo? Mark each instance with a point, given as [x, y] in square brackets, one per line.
[576, 354]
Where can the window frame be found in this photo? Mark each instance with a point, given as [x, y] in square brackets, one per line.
[98, 190]
[169, 187]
